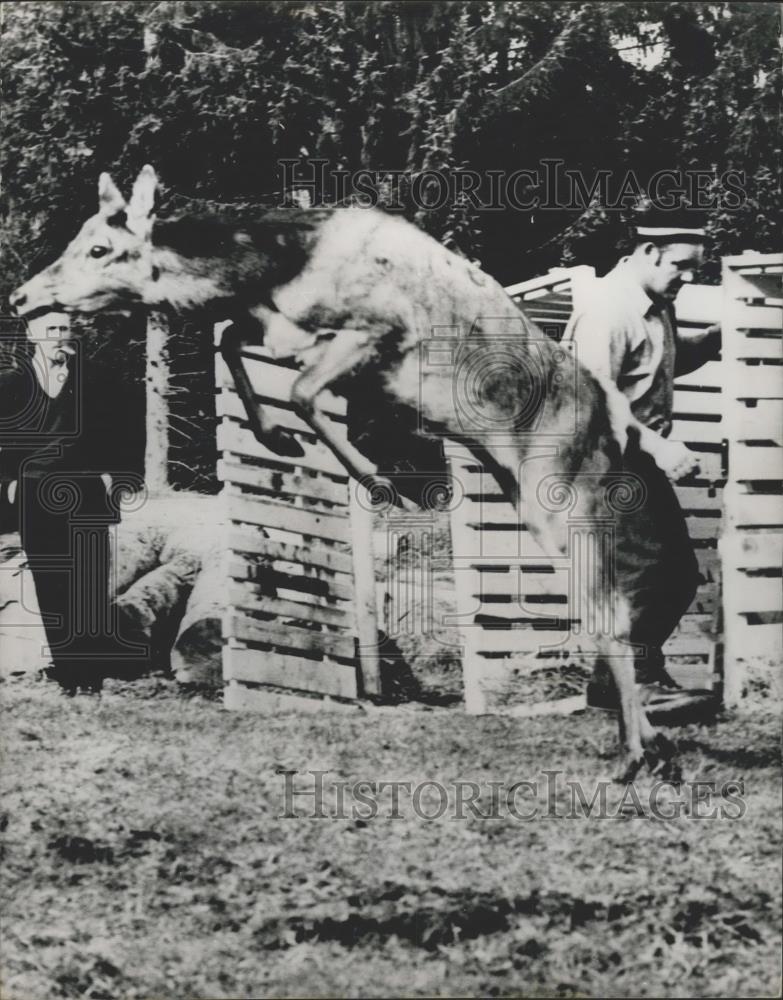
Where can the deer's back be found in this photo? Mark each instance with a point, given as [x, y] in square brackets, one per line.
[380, 271]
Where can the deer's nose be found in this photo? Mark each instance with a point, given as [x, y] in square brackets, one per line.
[17, 299]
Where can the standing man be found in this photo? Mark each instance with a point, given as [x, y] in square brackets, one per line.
[61, 437]
[625, 333]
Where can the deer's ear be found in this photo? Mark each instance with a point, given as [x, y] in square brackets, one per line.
[110, 201]
[142, 203]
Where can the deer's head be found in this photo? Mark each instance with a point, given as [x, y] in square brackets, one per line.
[109, 263]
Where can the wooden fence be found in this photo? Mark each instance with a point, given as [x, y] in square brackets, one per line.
[301, 589]
[752, 544]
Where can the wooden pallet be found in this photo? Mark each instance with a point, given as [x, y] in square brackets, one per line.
[752, 546]
[300, 626]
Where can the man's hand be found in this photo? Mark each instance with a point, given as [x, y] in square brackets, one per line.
[676, 460]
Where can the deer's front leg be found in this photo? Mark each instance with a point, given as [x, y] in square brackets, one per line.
[279, 439]
[642, 743]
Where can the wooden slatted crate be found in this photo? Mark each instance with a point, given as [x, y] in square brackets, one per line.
[300, 585]
[752, 545]
[512, 603]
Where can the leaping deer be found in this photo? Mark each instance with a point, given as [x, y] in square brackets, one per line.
[354, 296]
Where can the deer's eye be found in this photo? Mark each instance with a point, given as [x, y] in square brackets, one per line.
[98, 251]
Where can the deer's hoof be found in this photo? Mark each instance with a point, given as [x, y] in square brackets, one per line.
[662, 760]
[632, 764]
[282, 442]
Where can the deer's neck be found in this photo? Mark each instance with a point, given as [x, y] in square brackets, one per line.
[185, 283]
[199, 261]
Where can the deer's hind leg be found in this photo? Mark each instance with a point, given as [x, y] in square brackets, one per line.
[327, 363]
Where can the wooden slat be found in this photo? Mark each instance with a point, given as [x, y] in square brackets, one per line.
[688, 645]
[471, 545]
[699, 498]
[763, 550]
[759, 593]
[517, 641]
[485, 515]
[476, 484]
[698, 304]
[228, 404]
[257, 667]
[696, 624]
[762, 422]
[273, 382]
[308, 555]
[746, 381]
[519, 612]
[698, 431]
[301, 520]
[759, 348]
[294, 484]
[751, 283]
[512, 584]
[691, 401]
[757, 641]
[279, 579]
[756, 463]
[246, 597]
[534, 287]
[709, 376]
[700, 527]
[239, 626]
[520, 609]
[238, 697]
[754, 510]
[560, 706]
[700, 676]
[756, 261]
[555, 315]
[233, 437]
[757, 317]
[483, 489]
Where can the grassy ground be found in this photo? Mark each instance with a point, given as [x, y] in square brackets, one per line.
[145, 856]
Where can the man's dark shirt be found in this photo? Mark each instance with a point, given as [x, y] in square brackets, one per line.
[82, 430]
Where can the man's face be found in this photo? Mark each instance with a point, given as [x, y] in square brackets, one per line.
[51, 327]
[670, 266]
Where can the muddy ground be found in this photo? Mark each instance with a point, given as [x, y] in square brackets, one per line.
[147, 855]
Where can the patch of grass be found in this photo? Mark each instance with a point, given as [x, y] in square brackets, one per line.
[147, 855]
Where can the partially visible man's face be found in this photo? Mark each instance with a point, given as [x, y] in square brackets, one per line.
[670, 266]
[53, 326]
[53, 341]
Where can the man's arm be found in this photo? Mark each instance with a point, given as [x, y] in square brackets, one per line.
[600, 346]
